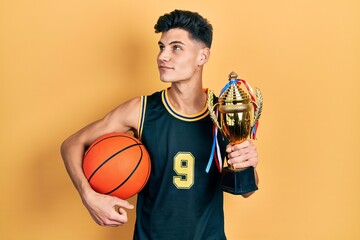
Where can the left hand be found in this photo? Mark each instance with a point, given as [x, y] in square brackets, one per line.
[242, 155]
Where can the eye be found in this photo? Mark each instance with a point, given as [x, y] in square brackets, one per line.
[176, 48]
[161, 47]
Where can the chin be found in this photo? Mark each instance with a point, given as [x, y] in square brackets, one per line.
[164, 78]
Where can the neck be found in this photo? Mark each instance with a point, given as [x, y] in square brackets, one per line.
[187, 97]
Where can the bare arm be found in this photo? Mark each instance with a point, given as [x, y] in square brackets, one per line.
[101, 207]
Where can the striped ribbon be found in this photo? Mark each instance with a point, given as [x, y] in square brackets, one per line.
[215, 149]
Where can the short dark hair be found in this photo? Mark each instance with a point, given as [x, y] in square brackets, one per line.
[192, 22]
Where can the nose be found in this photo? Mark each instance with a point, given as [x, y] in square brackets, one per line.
[164, 56]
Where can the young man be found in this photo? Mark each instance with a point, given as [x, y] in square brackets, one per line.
[180, 200]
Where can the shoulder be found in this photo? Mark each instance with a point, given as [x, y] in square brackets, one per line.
[125, 116]
[129, 107]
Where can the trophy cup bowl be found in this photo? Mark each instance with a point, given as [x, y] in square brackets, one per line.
[236, 120]
[236, 115]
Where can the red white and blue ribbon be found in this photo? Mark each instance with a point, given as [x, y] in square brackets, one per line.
[215, 149]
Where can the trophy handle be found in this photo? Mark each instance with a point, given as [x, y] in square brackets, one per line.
[211, 106]
[258, 106]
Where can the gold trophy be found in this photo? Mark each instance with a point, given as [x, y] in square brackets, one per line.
[239, 113]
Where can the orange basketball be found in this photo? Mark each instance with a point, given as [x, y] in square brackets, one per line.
[117, 164]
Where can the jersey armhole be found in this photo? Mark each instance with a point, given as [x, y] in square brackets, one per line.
[143, 102]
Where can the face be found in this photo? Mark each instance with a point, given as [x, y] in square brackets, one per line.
[180, 57]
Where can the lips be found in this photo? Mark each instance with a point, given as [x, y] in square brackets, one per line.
[164, 67]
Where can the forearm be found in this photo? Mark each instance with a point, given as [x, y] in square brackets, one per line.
[100, 206]
[72, 151]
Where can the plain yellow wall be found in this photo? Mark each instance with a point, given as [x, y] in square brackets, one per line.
[64, 64]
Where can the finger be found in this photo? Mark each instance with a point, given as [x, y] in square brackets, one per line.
[121, 217]
[229, 148]
[123, 203]
[242, 157]
[251, 149]
[239, 165]
[252, 162]
[243, 153]
[237, 159]
[115, 218]
[236, 154]
[106, 221]
[242, 145]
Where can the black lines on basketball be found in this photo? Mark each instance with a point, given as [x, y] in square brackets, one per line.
[102, 164]
[117, 164]
[137, 165]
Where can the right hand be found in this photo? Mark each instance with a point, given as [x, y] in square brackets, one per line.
[106, 210]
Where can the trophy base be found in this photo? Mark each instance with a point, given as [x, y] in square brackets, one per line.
[238, 182]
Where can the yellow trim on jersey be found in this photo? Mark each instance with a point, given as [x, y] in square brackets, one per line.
[143, 102]
[188, 118]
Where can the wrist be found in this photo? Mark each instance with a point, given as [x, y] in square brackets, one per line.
[85, 191]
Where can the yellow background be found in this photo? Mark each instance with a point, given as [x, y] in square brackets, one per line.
[64, 64]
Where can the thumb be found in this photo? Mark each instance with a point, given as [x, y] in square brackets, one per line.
[229, 148]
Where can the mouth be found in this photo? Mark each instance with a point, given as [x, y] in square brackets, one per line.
[164, 67]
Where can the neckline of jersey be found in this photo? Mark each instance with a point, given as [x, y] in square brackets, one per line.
[188, 118]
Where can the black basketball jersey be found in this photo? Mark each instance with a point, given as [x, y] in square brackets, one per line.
[180, 201]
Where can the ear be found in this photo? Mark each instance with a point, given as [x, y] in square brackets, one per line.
[204, 55]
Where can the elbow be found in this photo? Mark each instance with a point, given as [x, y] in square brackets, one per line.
[74, 143]
[65, 146]
[246, 195]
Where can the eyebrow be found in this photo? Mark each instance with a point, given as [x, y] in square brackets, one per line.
[173, 42]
